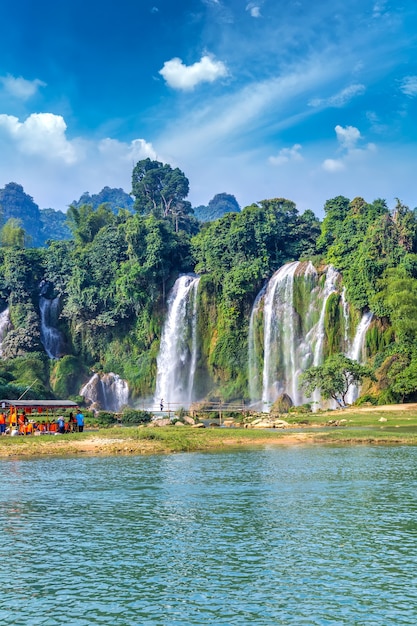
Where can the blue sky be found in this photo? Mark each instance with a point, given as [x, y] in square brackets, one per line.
[261, 99]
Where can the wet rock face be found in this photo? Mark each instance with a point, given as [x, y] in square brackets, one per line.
[109, 392]
[282, 404]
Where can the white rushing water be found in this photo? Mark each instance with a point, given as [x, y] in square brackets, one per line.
[278, 329]
[177, 358]
[292, 340]
[357, 351]
[319, 330]
[253, 351]
[4, 327]
[51, 338]
[108, 391]
[345, 306]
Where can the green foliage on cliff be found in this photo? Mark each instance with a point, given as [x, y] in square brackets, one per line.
[376, 251]
[114, 274]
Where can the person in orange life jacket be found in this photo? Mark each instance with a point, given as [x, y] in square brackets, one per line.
[2, 423]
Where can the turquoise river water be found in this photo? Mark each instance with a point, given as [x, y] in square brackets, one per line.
[276, 535]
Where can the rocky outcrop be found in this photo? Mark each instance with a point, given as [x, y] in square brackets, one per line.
[267, 422]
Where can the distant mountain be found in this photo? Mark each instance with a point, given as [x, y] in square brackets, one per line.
[115, 198]
[54, 225]
[219, 205]
[15, 203]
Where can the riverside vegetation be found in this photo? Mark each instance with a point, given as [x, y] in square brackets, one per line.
[109, 285]
[387, 425]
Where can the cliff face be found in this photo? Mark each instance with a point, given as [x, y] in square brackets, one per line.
[15, 203]
[191, 348]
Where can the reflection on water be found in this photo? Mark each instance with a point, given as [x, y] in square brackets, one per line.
[303, 535]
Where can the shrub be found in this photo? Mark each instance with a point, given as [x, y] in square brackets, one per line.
[133, 416]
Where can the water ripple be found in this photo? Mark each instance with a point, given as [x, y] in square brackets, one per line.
[299, 536]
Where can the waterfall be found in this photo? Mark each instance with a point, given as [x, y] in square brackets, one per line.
[357, 351]
[278, 316]
[4, 327]
[294, 306]
[108, 391]
[177, 358]
[253, 351]
[319, 332]
[285, 354]
[51, 338]
[345, 305]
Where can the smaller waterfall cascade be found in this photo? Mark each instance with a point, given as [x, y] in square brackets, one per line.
[51, 338]
[357, 351]
[177, 358]
[108, 391]
[345, 305]
[293, 307]
[4, 327]
[253, 356]
[319, 331]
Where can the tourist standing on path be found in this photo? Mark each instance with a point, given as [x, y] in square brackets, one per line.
[80, 421]
[2, 423]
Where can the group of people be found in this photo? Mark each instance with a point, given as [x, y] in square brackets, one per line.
[74, 423]
[21, 425]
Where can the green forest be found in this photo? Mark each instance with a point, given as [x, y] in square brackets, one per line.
[113, 268]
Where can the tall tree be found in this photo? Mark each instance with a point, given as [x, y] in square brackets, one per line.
[159, 190]
[13, 235]
[85, 222]
[334, 377]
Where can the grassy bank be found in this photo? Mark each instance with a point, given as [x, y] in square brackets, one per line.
[355, 426]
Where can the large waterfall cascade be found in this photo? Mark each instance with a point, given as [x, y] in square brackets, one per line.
[293, 309]
[108, 391]
[51, 337]
[177, 358]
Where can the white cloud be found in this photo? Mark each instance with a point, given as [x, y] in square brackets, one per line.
[339, 99]
[287, 154]
[134, 151]
[54, 169]
[409, 86]
[333, 165]
[19, 87]
[254, 9]
[180, 76]
[40, 134]
[348, 138]
[379, 8]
